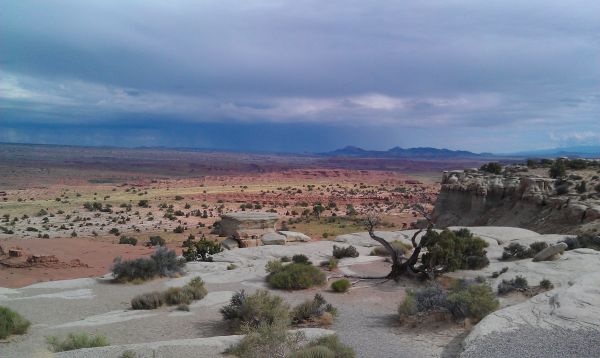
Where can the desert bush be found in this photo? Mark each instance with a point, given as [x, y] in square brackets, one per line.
[195, 289]
[332, 263]
[583, 241]
[454, 250]
[328, 346]
[536, 247]
[546, 284]
[162, 263]
[201, 250]
[285, 259]
[496, 274]
[339, 252]
[147, 301]
[11, 323]
[76, 341]
[518, 283]
[179, 229]
[266, 341]
[492, 167]
[274, 266]
[300, 259]
[125, 240]
[557, 170]
[260, 308]
[296, 276]
[128, 354]
[515, 251]
[176, 296]
[341, 285]
[231, 267]
[155, 241]
[399, 246]
[312, 310]
[472, 300]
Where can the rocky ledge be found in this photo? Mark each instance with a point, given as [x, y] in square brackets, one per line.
[472, 197]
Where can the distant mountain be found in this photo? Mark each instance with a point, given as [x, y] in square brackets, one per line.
[408, 153]
[575, 151]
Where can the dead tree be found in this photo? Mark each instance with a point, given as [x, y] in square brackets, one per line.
[402, 266]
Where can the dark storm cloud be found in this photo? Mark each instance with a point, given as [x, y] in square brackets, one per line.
[523, 66]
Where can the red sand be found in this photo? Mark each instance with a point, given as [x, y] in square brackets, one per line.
[96, 254]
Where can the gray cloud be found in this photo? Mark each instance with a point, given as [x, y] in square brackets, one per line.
[531, 67]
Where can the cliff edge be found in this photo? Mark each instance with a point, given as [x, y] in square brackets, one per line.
[519, 197]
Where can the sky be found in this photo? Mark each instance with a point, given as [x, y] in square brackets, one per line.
[301, 76]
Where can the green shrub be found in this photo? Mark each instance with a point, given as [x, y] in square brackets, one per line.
[340, 252]
[162, 263]
[408, 306]
[546, 284]
[177, 295]
[231, 267]
[341, 285]
[518, 283]
[314, 352]
[492, 167]
[76, 341]
[124, 240]
[536, 247]
[300, 259]
[147, 301]
[155, 241]
[195, 289]
[557, 170]
[496, 274]
[296, 276]
[332, 263]
[260, 308]
[128, 354]
[583, 241]
[473, 301]
[454, 250]
[331, 343]
[265, 341]
[201, 250]
[515, 251]
[285, 259]
[311, 310]
[11, 323]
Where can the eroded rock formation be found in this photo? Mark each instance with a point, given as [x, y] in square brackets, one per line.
[471, 197]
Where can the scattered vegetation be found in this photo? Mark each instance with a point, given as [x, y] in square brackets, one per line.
[76, 341]
[294, 276]
[192, 291]
[341, 285]
[163, 262]
[11, 323]
[583, 241]
[340, 252]
[201, 250]
[516, 251]
[454, 250]
[256, 310]
[492, 167]
[518, 283]
[125, 240]
[467, 299]
[155, 241]
[317, 310]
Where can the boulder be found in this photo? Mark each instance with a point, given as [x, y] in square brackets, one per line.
[550, 252]
[236, 224]
[273, 238]
[230, 244]
[291, 236]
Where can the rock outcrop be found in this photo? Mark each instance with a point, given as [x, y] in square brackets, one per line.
[247, 227]
[471, 197]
